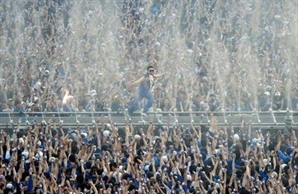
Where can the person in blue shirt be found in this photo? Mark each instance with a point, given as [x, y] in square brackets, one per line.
[146, 87]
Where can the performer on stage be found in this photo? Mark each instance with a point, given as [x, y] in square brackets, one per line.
[145, 90]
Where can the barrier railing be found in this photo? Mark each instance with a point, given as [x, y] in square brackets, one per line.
[265, 118]
[163, 112]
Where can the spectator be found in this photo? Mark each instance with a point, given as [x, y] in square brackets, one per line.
[213, 102]
[278, 101]
[50, 107]
[67, 102]
[19, 108]
[166, 105]
[181, 102]
[117, 105]
[5, 107]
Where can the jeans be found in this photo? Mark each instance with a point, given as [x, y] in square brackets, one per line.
[135, 103]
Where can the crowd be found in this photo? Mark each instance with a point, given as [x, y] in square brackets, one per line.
[105, 158]
[81, 56]
[214, 55]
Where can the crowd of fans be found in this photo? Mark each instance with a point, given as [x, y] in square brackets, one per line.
[237, 56]
[79, 56]
[105, 158]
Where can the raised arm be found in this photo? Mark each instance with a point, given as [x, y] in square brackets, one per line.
[158, 75]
